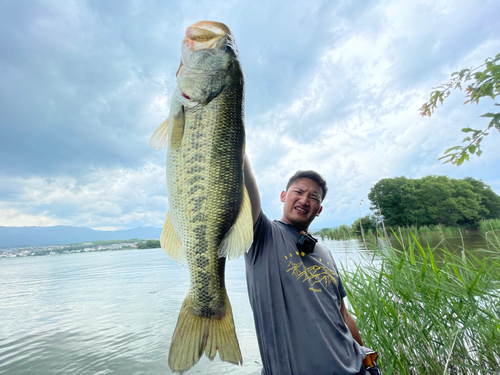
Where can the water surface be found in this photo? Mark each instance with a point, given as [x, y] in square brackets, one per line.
[115, 312]
[111, 313]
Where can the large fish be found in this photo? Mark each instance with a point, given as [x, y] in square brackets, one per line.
[209, 216]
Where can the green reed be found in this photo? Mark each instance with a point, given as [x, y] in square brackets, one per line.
[426, 314]
[490, 225]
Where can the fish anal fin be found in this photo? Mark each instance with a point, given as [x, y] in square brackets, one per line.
[194, 335]
[239, 238]
[159, 139]
[170, 243]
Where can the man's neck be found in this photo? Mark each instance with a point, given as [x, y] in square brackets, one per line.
[285, 221]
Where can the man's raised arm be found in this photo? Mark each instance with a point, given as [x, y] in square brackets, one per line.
[253, 190]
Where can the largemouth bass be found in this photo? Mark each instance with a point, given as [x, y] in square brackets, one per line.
[209, 216]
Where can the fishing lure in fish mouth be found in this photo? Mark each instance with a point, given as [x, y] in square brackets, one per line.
[209, 216]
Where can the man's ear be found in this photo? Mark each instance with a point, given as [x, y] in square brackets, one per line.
[283, 196]
[319, 211]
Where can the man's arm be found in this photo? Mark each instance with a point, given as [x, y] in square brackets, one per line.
[351, 324]
[253, 190]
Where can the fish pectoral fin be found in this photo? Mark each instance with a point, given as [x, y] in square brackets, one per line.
[177, 132]
[239, 238]
[159, 139]
[170, 243]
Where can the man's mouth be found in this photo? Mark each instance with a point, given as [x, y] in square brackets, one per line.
[300, 209]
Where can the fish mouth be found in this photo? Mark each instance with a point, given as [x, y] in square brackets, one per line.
[203, 35]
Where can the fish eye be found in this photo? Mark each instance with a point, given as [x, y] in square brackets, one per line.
[227, 48]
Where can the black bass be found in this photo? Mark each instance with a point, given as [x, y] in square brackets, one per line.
[209, 216]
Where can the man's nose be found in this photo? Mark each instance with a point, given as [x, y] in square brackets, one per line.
[304, 200]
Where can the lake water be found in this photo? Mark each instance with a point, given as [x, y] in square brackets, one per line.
[112, 312]
[115, 312]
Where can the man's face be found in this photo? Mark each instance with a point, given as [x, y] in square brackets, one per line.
[302, 203]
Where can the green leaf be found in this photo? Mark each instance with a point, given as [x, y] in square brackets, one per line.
[476, 279]
[424, 269]
[391, 310]
[472, 149]
[419, 246]
[458, 273]
[433, 263]
[412, 256]
[466, 130]
[452, 148]
[489, 114]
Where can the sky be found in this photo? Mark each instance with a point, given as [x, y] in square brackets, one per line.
[333, 86]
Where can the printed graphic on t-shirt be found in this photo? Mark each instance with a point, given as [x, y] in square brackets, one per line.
[315, 273]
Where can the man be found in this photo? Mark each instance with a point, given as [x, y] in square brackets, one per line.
[302, 324]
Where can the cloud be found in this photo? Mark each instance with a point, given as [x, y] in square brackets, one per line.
[110, 198]
[356, 120]
[330, 86]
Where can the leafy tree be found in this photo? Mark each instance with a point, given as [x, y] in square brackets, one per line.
[367, 224]
[490, 202]
[393, 196]
[484, 83]
[149, 244]
[434, 200]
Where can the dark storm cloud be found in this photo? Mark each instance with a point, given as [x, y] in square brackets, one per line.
[77, 84]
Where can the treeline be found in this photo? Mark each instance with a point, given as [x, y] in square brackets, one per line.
[149, 244]
[434, 200]
[370, 224]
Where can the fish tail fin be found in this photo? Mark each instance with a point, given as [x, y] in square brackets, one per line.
[222, 337]
[188, 341]
[194, 335]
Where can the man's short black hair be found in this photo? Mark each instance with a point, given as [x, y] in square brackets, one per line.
[312, 175]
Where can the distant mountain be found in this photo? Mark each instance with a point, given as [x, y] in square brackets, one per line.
[62, 235]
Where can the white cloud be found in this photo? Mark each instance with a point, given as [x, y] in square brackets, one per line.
[354, 122]
[112, 198]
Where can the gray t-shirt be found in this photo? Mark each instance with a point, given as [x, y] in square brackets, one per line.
[296, 300]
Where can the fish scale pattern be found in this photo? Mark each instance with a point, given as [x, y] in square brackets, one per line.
[205, 185]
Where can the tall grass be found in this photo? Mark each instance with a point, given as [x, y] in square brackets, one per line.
[428, 229]
[426, 315]
[341, 233]
[490, 225]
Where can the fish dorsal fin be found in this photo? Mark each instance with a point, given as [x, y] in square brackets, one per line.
[239, 238]
[159, 139]
[170, 243]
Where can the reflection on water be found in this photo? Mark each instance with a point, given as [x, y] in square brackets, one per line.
[455, 241]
